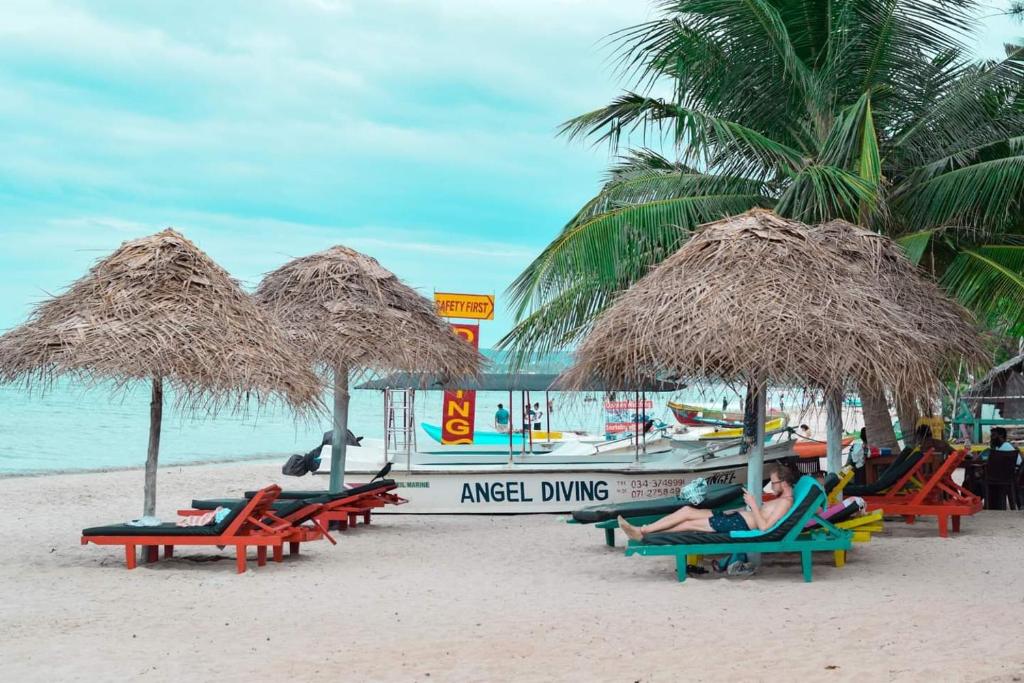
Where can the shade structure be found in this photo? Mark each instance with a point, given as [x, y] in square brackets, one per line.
[489, 381]
[348, 314]
[763, 300]
[160, 310]
[947, 324]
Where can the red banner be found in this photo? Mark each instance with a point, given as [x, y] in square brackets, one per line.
[627, 405]
[459, 407]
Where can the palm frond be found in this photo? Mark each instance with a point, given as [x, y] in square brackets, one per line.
[990, 281]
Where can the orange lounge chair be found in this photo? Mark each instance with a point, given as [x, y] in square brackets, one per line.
[295, 519]
[345, 508]
[243, 527]
[938, 496]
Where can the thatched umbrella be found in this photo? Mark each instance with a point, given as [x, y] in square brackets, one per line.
[879, 260]
[350, 315]
[762, 300]
[158, 309]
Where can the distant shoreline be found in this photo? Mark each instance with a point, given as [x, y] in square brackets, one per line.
[99, 470]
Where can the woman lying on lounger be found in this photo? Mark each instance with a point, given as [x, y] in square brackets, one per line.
[694, 519]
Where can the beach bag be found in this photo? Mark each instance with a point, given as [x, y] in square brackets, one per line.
[694, 492]
[295, 466]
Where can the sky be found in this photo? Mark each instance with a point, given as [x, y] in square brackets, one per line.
[421, 132]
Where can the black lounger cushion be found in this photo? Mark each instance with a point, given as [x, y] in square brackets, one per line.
[281, 508]
[831, 481]
[892, 474]
[168, 528]
[717, 496]
[708, 537]
[291, 495]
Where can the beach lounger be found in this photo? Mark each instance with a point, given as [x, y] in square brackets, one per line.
[938, 496]
[243, 527]
[342, 509]
[785, 536]
[296, 519]
[719, 497]
[909, 461]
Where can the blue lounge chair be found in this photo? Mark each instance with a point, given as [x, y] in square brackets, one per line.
[785, 536]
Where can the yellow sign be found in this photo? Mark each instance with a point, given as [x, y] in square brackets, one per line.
[475, 306]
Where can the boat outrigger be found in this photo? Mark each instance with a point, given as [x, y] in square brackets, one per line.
[525, 476]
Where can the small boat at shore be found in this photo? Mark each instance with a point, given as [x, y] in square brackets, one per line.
[480, 478]
[700, 416]
[815, 449]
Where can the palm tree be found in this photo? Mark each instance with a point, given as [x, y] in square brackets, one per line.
[868, 110]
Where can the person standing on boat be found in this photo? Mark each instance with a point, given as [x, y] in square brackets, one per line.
[536, 414]
[501, 419]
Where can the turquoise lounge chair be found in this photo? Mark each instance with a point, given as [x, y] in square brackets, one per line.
[720, 497]
[785, 536]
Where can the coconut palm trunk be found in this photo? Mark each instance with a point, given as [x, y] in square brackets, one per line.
[156, 412]
[877, 420]
[338, 438]
[909, 413]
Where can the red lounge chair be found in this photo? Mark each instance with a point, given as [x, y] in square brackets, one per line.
[243, 527]
[939, 496]
[295, 519]
[345, 508]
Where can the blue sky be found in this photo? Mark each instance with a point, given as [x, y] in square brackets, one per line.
[419, 131]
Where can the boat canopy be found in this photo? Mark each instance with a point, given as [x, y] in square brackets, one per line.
[504, 382]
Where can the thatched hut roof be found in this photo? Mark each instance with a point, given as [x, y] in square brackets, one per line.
[880, 260]
[346, 311]
[158, 307]
[761, 298]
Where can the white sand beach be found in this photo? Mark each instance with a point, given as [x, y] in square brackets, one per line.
[484, 599]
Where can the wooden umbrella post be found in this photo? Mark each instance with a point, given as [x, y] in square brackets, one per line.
[755, 458]
[834, 430]
[156, 412]
[339, 437]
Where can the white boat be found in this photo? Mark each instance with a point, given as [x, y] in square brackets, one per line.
[473, 480]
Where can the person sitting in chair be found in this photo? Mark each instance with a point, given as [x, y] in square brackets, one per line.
[695, 519]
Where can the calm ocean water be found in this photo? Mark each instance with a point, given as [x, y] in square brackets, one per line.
[70, 428]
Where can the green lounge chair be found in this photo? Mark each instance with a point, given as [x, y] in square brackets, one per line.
[720, 497]
[785, 536]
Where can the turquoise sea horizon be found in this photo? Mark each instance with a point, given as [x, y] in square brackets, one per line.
[74, 428]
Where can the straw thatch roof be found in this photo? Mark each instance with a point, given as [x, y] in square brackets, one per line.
[345, 311]
[158, 307]
[761, 298]
[880, 260]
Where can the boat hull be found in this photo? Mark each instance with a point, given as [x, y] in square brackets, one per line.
[553, 488]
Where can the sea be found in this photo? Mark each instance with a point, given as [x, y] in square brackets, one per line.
[71, 427]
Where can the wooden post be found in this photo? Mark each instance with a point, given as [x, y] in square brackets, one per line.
[340, 435]
[834, 430]
[156, 410]
[755, 458]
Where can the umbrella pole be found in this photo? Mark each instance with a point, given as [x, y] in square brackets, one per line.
[156, 411]
[755, 459]
[339, 437]
[834, 430]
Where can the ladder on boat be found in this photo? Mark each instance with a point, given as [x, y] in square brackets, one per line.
[399, 424]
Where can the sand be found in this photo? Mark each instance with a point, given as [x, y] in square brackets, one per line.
[529, 598]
